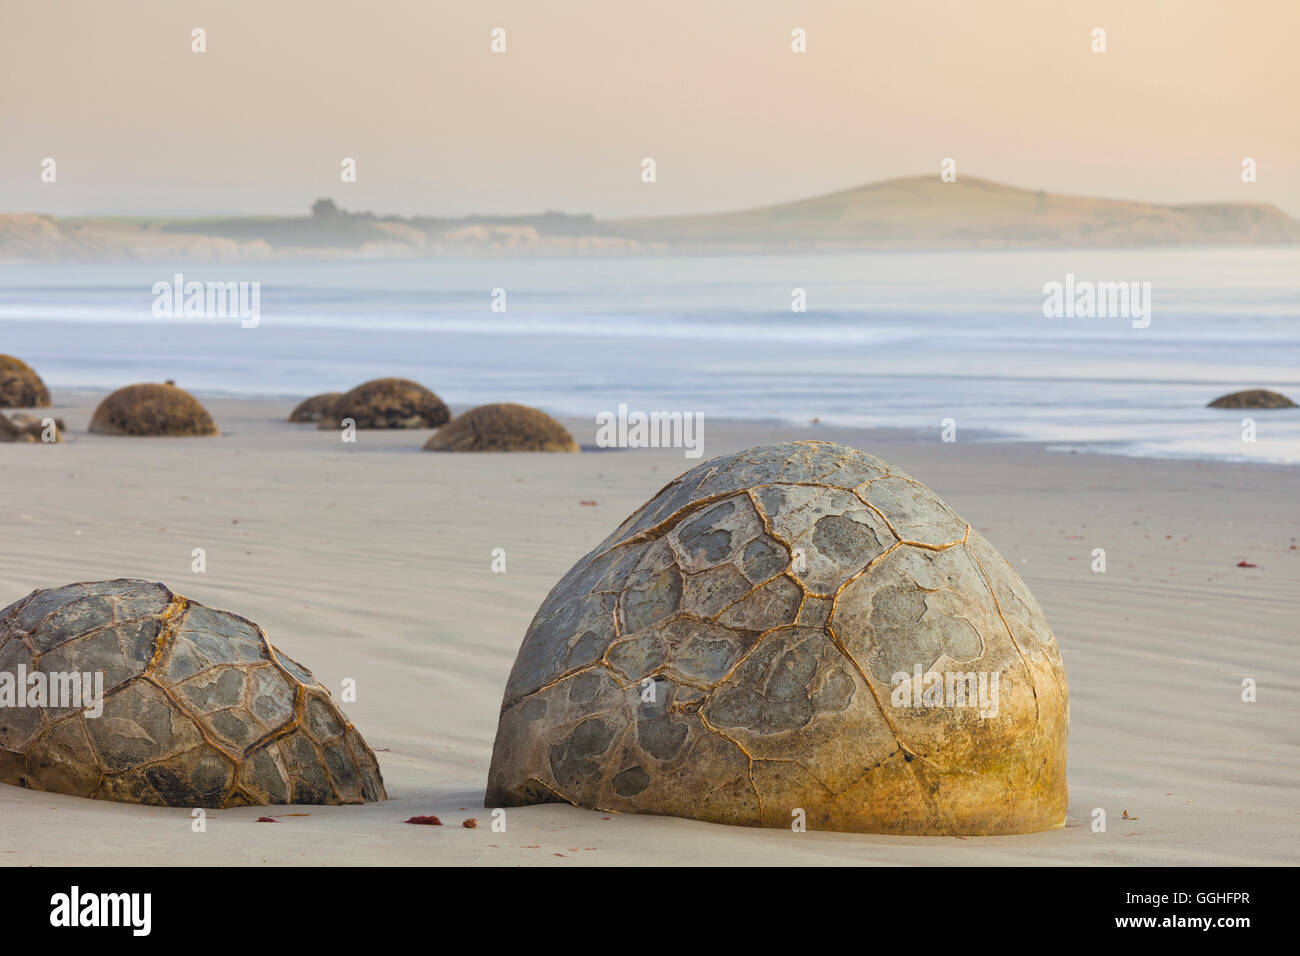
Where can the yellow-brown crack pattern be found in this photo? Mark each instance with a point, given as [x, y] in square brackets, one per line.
[1029, 671]
[698, 708]
[170, 619]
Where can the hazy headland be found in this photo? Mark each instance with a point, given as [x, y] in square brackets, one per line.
[911, 213]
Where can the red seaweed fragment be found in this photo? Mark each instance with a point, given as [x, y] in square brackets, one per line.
[429, 821]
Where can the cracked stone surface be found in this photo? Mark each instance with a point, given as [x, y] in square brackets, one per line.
[731, 652]
[199, 709]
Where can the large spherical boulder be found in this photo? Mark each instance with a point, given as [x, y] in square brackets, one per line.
[149, 697]
[760, 643]
[1252, 398]
[316, 408]
[389, 403]
[20, 386]
[158, 410]
[502, 427]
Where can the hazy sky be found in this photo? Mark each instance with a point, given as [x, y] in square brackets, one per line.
[438, 124]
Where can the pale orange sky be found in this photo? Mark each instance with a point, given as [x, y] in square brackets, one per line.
[438, 124]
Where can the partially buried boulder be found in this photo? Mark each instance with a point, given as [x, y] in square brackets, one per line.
[502, 427]
[795, 631]
[149, 697]
[12, 431]
[315, 408]
[389, 403]
[154, 410]
[20, 386]
[1252, 398]
[29, 428]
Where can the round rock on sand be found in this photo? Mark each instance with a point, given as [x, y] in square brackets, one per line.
[389, 403]
[745, 649]
[502, 427]
[157, 410]
[20, 386]
[198, 709]
[1252, 398]
[316, 408]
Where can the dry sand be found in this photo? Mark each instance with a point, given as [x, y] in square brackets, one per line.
[372, 561]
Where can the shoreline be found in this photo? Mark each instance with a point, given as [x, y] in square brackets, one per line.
[81, 399]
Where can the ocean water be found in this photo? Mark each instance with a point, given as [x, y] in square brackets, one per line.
[900, 340]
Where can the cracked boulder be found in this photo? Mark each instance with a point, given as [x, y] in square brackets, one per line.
[315, 408]
[502, 427]
[123, 690]
[797, 632]
[1252, 398]
[152, 409]
[20, 386]
[387, 403]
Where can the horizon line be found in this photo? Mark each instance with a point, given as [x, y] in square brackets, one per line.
[960, 179]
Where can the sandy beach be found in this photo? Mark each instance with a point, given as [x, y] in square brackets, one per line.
[373, 562]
